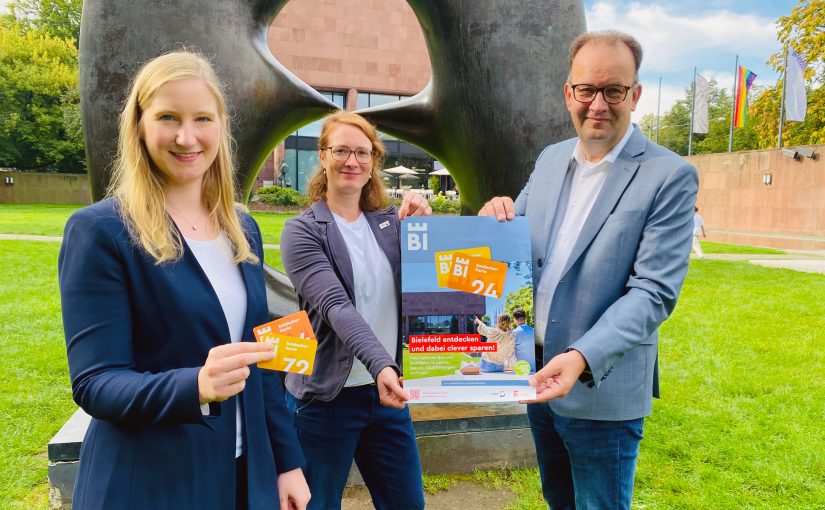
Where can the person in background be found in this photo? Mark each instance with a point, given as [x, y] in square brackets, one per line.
[161, 284]
[343, 255]
[610, 217]
[502, 335]
[525, 339]
[698, 232]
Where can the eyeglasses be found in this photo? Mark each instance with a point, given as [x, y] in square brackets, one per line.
[612, 94]
[341, 153]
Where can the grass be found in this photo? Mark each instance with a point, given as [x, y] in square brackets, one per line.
[739, 424]
[42, 220]
[716, 248]
[271, 225]
[35, 397]
[740, 421]
[49, 220]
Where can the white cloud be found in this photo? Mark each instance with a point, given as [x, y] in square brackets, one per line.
[673, 43]
[650, 96]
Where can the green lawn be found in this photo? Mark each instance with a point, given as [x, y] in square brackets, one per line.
[35, 397]
[49, 220]
[714, 248]
[42, 220]
[739, 424]
[271, 225]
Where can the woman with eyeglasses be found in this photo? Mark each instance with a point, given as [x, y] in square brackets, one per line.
[343, 256]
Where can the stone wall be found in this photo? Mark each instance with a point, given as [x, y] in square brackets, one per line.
[763, 198]
[44, 188]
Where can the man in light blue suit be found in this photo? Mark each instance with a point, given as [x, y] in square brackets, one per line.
[611, 222]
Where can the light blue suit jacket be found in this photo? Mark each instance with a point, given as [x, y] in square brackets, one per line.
[623, 276]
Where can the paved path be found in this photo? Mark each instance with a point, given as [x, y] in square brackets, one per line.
[811, 261]
[463, 495]
[21, 237]
[58, 239]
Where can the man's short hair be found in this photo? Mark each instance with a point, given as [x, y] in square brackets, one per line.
[608, 38]
[519, 314]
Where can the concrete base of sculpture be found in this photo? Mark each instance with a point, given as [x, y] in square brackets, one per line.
[452, 438]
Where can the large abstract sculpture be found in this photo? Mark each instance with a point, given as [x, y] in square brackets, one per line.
[495, 97]
[494, 100]
[266, 100]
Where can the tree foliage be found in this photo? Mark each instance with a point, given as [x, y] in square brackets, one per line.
[40, 126]
[522, 298]
[803, 30]
[674, 125]
[58, 18]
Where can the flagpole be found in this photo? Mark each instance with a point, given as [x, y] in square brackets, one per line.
[658, 106]
[733, 103]
[692, 113]
[782, 99]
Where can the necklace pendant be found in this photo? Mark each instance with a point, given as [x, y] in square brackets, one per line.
[194, 227]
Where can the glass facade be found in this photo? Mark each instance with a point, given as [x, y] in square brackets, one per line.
[301, 147]
[440, 324]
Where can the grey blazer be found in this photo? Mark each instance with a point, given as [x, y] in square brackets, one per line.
[623, 276]
[317, 262]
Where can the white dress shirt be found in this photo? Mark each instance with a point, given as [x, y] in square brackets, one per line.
[586, 183]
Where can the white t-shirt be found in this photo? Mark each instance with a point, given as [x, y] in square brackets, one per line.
[376, 298]
[698, 222]
[216, 259]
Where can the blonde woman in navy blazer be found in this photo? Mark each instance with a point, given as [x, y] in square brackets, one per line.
[161, 285]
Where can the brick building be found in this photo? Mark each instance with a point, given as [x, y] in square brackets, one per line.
[358, 54]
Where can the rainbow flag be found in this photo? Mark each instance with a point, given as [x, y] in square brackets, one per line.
[744, 81]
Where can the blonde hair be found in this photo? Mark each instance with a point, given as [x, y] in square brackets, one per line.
[373, 196]
[503, 322]
[139, 186]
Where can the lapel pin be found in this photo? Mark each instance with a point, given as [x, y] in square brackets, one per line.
[384, 225]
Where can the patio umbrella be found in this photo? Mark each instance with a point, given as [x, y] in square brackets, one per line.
[407, 177]
[401, 171]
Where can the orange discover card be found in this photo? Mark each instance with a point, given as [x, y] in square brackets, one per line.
[477, 275]
[294, 343]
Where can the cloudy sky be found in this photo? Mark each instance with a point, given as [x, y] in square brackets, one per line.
[680, 34]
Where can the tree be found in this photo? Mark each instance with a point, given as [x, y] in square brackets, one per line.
[58, 18]
[522, 298]
[435, 184]
[803, 30]
[674, 125]
[39, 102]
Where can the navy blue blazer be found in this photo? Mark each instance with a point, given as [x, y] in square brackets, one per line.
[136, 336]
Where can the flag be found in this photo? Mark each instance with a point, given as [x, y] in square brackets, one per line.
[700, 105]
[740, 105]
[795, 95]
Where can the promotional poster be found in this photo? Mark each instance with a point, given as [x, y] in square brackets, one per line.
[461, 277]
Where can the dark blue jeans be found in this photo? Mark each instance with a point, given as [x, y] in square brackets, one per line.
[585, 464]
[380, 439]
